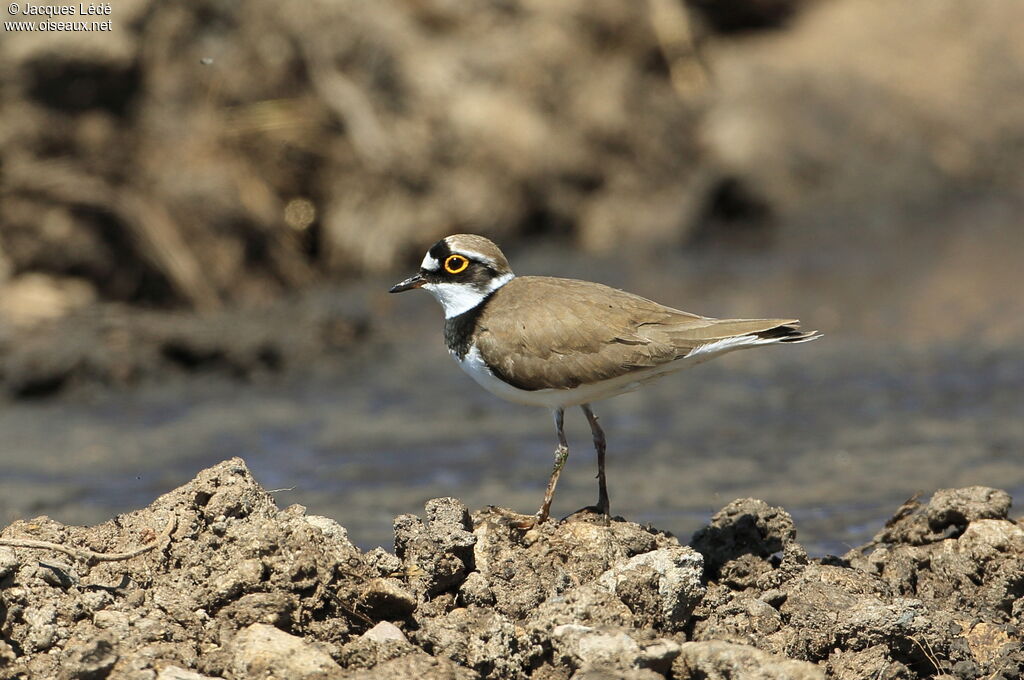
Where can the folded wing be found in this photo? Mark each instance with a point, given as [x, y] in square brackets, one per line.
[581, 332]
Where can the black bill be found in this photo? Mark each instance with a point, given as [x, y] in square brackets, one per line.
[414, 281]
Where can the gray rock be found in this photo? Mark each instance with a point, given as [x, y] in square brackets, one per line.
[385, 631]
[378, 645]
[387, 598]
[264, 651]
[660, 587]
[329, 527]
[476, 590]
[178, 673]
[716, 660]
[987, 539]
[242, 577]
[383, 563]
[582, 646]
[42, 628]
[110, 619]
[611, 648]
[9, 562]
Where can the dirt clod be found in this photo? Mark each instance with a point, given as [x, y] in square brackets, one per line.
[744, 527]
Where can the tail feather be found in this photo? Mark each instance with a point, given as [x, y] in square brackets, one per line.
[789, 333]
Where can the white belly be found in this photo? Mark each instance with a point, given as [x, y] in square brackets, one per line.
[476, 367]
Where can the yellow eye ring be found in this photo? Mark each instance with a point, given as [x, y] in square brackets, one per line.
[455, 264]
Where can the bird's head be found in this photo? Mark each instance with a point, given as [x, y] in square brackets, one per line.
[461, 271]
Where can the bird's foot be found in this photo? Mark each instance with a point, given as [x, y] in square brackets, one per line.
[591, 513]
[527, 522]
[517, 520]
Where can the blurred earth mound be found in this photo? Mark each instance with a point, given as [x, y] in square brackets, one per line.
[220, 151]
[217, 152]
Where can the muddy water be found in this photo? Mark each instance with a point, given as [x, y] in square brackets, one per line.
[918, 385]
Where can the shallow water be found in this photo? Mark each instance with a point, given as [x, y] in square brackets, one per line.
[839, 432]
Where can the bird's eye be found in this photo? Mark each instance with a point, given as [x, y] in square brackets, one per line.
[455, 264]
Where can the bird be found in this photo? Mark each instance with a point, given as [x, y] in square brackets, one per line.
[558, 343]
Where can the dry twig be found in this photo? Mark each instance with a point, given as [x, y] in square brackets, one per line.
[91, 556]
[929, 653]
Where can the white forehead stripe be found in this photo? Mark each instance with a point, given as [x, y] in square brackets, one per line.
[430, 263]
[479, 257]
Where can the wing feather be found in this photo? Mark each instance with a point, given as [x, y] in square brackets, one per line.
[585, 332]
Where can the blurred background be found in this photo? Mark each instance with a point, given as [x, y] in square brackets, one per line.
[201, 211]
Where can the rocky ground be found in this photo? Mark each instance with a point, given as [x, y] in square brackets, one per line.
[212, 580]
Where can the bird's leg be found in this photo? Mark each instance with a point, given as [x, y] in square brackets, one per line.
[599, 444]
[561, 454]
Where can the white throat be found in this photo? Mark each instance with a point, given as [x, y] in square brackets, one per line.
[458, 298]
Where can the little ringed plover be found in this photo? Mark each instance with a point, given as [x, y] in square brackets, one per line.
[558, 343]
